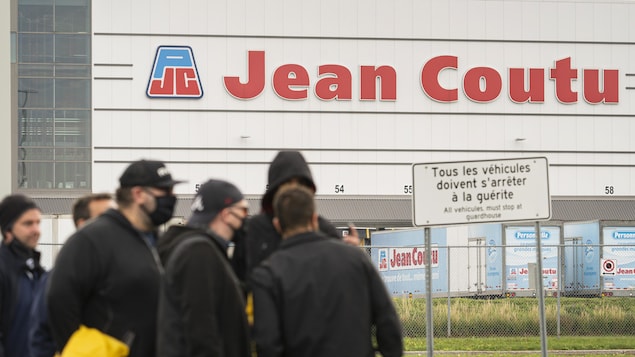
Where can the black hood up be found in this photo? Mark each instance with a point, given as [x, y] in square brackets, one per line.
[285, 166]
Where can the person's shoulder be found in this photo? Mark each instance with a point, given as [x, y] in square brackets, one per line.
[328, 228]
[5, 259]
[98, 233]
[4, 251]
[263, 273]
[260, 220]
[199, 243]
[260, 227]
[100, 223]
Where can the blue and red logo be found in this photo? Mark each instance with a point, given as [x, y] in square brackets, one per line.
[174, 74]
[383, 259]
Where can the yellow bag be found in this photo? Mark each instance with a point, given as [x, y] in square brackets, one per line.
[90, 342]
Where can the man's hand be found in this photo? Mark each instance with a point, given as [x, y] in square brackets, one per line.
[353, 237]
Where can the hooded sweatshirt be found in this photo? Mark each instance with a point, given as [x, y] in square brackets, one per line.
[261, 238]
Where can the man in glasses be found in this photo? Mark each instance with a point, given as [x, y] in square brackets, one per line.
[108, 273]
[201, 308]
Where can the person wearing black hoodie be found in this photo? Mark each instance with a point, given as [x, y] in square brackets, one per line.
[108, 274]
[261, 238]
[201, 307]
[319, 297]
[20, 271]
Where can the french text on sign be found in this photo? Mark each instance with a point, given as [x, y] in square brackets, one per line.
[506, 190]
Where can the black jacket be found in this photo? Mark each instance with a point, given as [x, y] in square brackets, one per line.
[106, 276]
[20, 272]
[318, 297]
[261, 237]
[261, 240]
[201, 309]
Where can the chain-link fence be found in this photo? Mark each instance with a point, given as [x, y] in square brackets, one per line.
[475, 295]
[485, 289]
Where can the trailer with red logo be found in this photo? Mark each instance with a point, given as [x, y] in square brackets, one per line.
[593, 258]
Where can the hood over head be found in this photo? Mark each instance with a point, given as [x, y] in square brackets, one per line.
[285, 166]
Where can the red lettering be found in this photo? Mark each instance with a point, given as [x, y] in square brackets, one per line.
[417, 257]
[549, 271]
[592, 93]
[387, 77]
[337, 86]
[536, 91]
[491, 84]
[334, 82]
[290, 76]
[563, 75]
[186, 82]
[165, 86]
[256, 78]
[430, 79]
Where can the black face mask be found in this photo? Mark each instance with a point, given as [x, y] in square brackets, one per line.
[242, 230]
[163, 210]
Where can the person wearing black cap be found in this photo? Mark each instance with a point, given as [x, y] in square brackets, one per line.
[316, 296]
[107, 274]
[20, 271]
[201, 309]
[262, 239]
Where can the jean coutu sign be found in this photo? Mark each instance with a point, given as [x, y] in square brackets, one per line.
[507, 190]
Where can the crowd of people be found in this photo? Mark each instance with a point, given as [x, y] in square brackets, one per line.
[291, 287]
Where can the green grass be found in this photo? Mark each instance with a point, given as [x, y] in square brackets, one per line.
[519, 317]
[495, 326]
[568, 343]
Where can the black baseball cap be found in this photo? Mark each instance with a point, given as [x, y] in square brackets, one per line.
[212, 197]
[149, 173]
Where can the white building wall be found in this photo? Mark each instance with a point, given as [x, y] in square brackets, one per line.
[56, 229]
[366, 146]
[6, 98]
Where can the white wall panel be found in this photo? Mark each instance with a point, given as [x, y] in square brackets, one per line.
[311, 53]
[365, 145]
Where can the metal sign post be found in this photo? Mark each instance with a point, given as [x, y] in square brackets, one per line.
[429, 322]
[540, 291]
[470, 192]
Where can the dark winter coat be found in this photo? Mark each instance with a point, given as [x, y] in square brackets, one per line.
[201, 310]
[261, 237]
[41, 342]
[20, 274]
[107, 276]
[318, 297]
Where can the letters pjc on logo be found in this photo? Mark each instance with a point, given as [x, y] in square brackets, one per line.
[174, 74]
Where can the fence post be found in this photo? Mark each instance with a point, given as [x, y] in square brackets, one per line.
[449, 295]
[540, 291]
[429, 320]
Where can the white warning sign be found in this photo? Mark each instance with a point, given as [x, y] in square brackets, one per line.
[447, 193]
